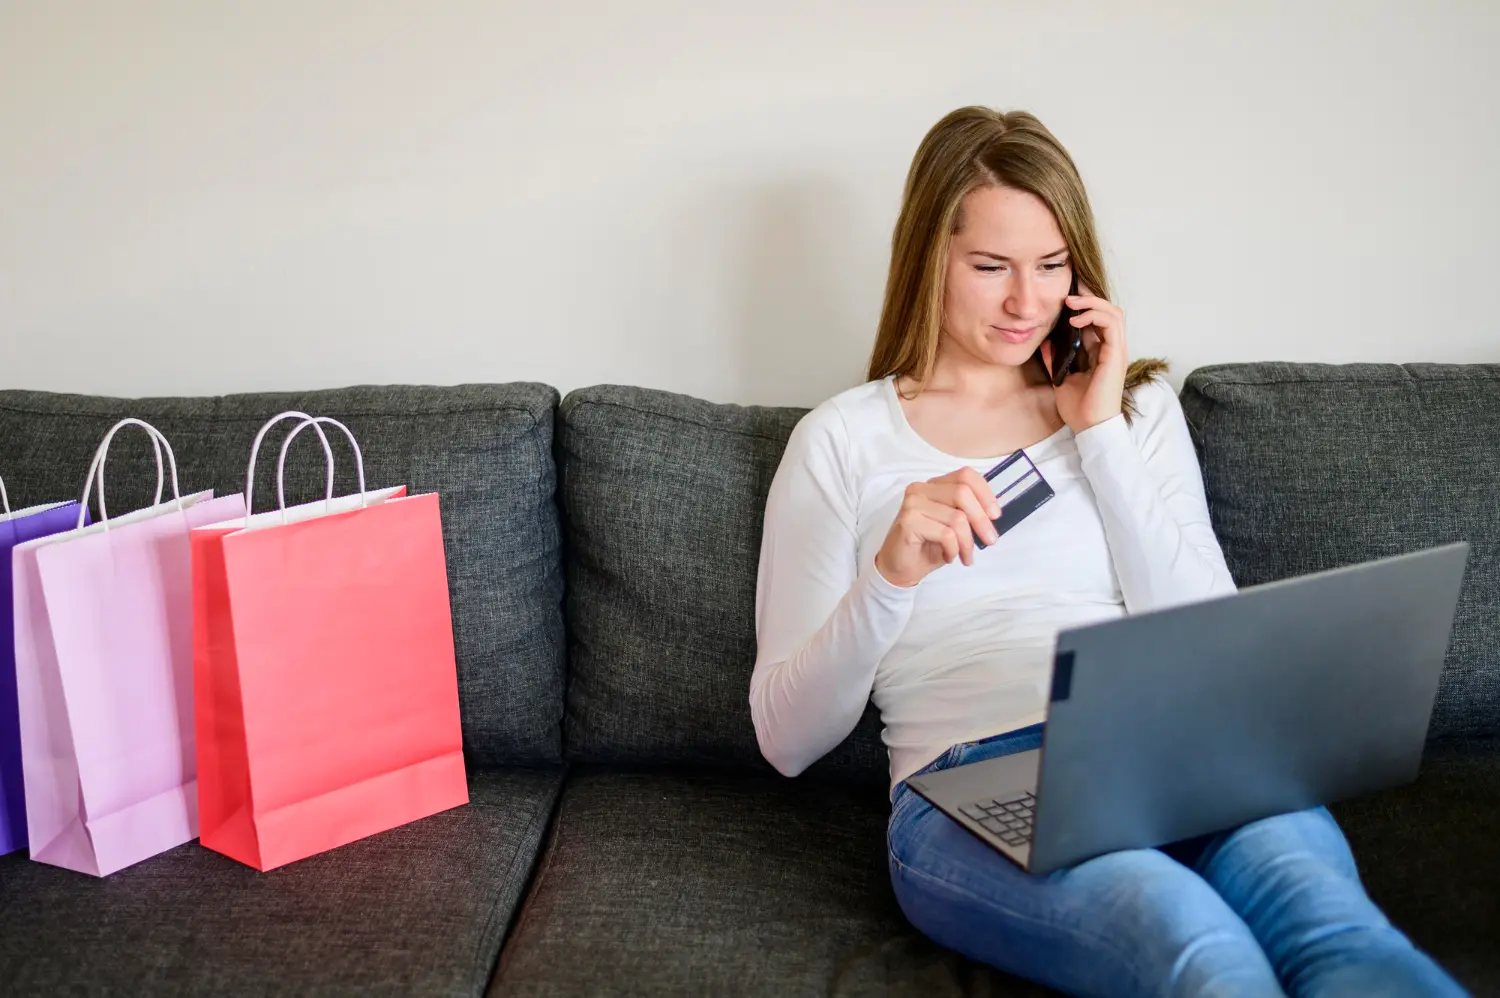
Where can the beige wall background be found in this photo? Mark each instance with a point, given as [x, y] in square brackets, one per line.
[212, 197]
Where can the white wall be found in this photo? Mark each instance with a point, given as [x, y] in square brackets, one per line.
[212, 197]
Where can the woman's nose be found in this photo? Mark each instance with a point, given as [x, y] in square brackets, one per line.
[1023, 301]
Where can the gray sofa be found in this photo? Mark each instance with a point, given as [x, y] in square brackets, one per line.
[624, 835]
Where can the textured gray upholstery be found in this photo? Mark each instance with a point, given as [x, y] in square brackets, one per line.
[1310, 466]
[663, 500]
[419, 910]
[485, 449]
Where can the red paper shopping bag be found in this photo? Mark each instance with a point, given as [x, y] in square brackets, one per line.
[326, 692]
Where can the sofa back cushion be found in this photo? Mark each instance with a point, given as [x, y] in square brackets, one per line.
[1310, 467]
[663, 503]
[486, 450]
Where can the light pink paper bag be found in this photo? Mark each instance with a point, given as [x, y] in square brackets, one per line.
[104, 667]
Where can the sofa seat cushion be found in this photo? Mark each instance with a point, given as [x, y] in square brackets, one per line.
[417, 910]
[688, 884]
[1429, 853]
[697, 883]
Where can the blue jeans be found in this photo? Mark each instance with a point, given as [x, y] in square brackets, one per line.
[1272, 908]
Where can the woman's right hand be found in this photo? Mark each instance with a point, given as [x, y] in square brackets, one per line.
[936, 524]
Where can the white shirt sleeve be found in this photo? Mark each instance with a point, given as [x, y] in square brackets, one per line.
[1149, 487]
[822, 624]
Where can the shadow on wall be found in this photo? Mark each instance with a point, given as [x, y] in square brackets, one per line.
[803, 331]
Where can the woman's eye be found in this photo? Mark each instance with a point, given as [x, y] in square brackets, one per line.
[1053, 266]
[988, 268]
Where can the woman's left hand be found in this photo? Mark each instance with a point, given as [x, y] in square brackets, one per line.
[1087, 399]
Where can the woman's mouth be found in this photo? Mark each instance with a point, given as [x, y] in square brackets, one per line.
[1015, 335]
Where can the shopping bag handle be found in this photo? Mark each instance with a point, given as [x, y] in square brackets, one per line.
[96, 469]
[359, 462]
[255, 452]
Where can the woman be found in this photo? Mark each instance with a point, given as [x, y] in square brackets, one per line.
[871, 584]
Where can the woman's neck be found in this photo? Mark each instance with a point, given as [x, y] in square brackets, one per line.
[980, 384]
[983, 409]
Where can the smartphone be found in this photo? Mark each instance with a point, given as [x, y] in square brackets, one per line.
[1068, 354]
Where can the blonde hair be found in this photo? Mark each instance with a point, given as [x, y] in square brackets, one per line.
[968, 150]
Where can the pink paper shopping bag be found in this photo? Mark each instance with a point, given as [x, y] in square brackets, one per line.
[104, 661]
[326, 690]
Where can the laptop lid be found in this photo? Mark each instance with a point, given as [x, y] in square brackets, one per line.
[1179, 722]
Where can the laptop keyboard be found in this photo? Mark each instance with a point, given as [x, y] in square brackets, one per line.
[1009, 818]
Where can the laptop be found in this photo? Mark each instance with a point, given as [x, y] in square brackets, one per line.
[1190, 720]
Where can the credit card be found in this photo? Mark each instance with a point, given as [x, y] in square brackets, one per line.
[1020, 489]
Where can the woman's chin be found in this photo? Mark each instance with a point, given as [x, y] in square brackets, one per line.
[1011, 354]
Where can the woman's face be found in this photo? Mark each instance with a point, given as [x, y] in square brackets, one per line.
[1008, 272]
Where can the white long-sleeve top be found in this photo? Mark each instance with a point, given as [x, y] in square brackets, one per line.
[967, 652]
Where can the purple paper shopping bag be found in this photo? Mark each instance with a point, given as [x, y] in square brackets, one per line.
[17, 527]
[104, 665]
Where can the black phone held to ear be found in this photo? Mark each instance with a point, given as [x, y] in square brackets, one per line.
[1067, 342]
